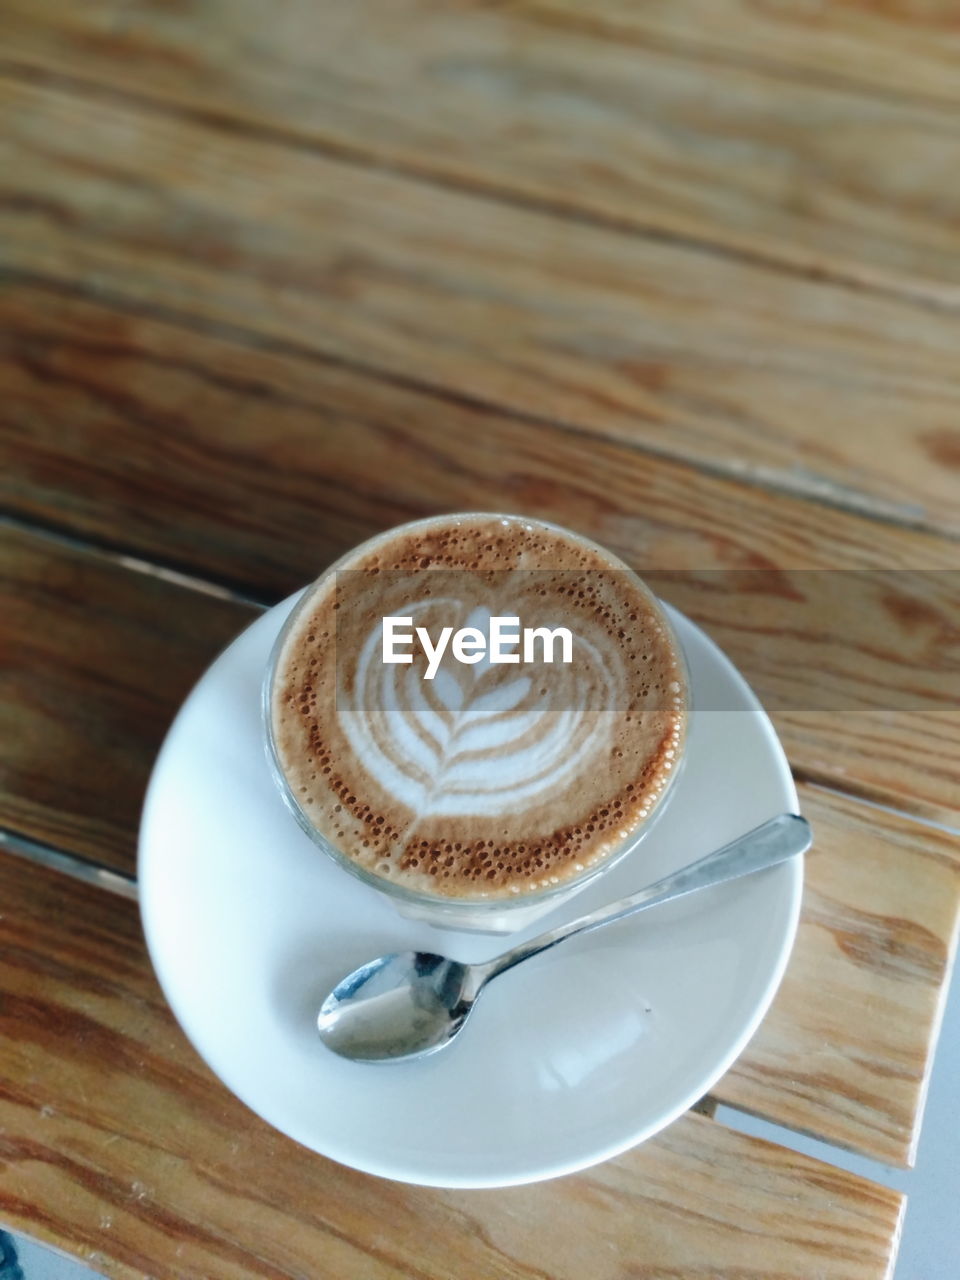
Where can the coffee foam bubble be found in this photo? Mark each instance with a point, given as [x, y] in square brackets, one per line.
[488, 780]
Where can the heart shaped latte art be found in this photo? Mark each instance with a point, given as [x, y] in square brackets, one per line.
[481, 739]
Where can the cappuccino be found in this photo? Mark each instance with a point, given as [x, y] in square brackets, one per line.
[487, 782]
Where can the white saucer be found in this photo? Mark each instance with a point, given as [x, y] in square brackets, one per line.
[567, 1061]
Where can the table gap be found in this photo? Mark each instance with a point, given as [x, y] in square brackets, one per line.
[74, 865]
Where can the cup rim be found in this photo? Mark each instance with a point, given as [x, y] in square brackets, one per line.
[413, 897]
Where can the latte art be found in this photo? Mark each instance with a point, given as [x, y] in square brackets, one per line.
[474, 742]
[489, 779]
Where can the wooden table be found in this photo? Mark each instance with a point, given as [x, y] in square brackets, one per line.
[683, 275]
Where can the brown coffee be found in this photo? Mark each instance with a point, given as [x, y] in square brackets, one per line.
[487, 780]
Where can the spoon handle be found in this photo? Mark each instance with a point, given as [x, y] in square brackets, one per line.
[775, 841]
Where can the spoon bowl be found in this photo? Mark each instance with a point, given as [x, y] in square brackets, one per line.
[399, 1006]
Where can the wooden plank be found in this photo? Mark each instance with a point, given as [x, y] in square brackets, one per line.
[98, 658]
[838, 1054]
[800, 383]
[898, 50]
[119, 1146]
[549, 102]
[105, 654]
[257, 469]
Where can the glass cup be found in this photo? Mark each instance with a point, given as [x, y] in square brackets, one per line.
[502, 914]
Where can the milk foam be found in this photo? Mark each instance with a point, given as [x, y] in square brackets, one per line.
[456, 748]
[487, 780]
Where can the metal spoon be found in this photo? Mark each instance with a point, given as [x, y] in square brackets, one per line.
[412, 1003]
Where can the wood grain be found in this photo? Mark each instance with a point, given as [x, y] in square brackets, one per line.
[836, 1055]
[105, 654]
[118, 1145]
[803, 384]
[98, 658]
[899, 50]
[258, 469]
[273, 286]
[550, 103]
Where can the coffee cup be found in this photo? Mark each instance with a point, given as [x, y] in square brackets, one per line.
[476, 715]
